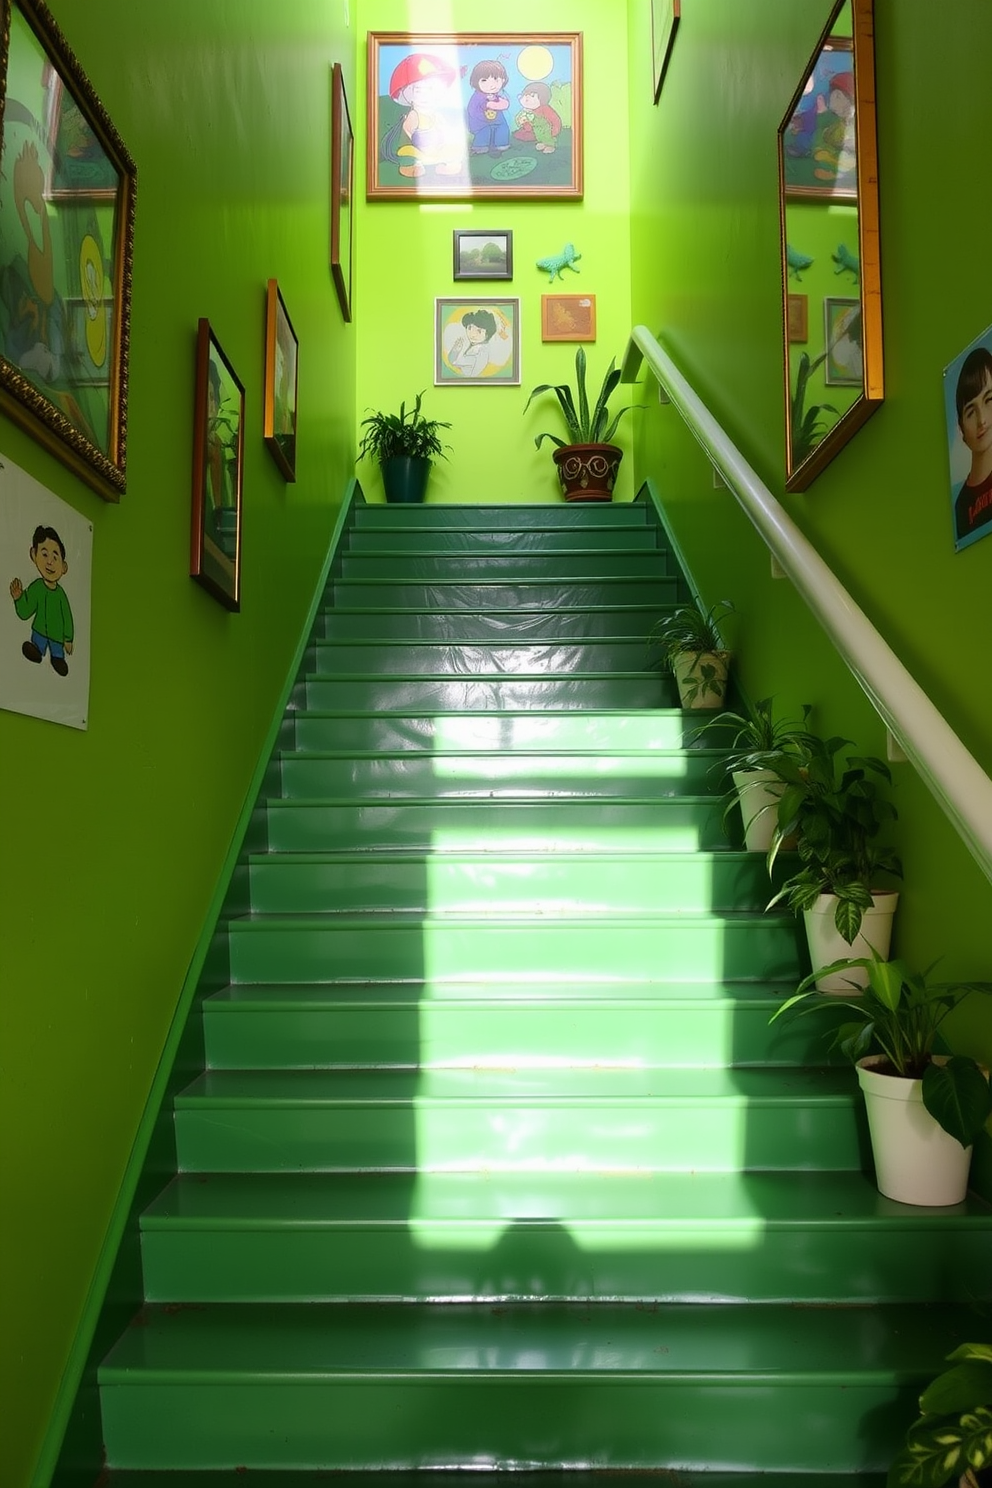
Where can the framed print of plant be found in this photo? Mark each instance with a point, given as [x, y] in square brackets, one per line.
[218, 458]
[482, 255]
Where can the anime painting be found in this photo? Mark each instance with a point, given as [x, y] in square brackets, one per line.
[480, 114]
[477, 342]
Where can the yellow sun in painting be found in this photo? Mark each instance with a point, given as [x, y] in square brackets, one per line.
[535, 62]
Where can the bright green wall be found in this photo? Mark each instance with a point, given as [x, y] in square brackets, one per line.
[405, 260]
[225, 108]
[705, 273]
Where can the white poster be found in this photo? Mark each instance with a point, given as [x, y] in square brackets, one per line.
[46, 563]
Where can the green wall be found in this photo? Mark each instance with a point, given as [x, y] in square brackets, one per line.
[405, 260]
[705, 274]
[225, 108]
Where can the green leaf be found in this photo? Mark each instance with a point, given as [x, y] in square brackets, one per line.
[962, 1388]
[958, 1097]
[887, 978]
[932, 1456]
[972, 1351]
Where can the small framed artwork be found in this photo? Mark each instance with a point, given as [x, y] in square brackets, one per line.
[798, 327]
[342, 190]
[968, 411]
[482, 255]
[664, 24]
[281, 382]
[477, 342]
[566, 317]
[218, 457]
[459, 115]
[819, 141]
[66, 246]
[844, 341]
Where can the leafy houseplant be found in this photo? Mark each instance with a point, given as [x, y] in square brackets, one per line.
[757, 734]
[889, 1032]
[404, 444]
[951, 1439]
[807, 424]
[693, 649]
[587, 460]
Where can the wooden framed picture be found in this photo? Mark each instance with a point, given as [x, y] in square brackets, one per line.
[281, 382]
[218, 458]
[342, 191]
[665, 16]
[482, 255]
[67, 193]
[568, 317]
[464, 115]
[798, 327]
[477, 342]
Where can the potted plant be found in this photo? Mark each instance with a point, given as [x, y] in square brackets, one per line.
[757, 789]
[807, 424]
[405, 445]
[951, 1439]
[693, 649]
[924, 1110]
[587, 462]
[834, 811]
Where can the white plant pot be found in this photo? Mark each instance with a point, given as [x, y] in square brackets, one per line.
[916, 1161]
[701, 677]
[826, 944]
[759, 792]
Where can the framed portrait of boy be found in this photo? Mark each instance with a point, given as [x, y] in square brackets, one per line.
[968, 412]
[477, 343]
[281, 382]
[218, 458]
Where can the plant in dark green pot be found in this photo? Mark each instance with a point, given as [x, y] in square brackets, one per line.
[951, 1439]
[693, 648]
[405, 444]
[587, 461]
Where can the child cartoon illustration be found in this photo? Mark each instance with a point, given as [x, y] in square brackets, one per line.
[486, 111]
[834, 146]
[470, 354]
[537, 123]
[423, 136]
[46, 601]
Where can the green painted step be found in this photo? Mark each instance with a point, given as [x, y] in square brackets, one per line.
[509, 568]
[523, 516]
[787, 1389]
[459, 655]
[338, 622]
[676, 947]
[538, 1121]
[591, 1478]
[502, 1025]
[664, 1237]
[448, 693]
[665, 824]
[565, 730]
[561, 592]
[399, 537]
[474, 773]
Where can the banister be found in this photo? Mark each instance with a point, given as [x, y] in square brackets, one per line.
[953, 775]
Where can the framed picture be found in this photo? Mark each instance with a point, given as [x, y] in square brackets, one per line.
[281, 382]
[664, 24]
[464, 115]
[477, 342]
[218, 457]
[66, 240]
[482, 255]
[968, 411]
[342, 190]
[798, 327]
[844, 341]
[819, 142]
[567, 317]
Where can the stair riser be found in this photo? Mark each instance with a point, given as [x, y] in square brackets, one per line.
[560, 884]
[525, 517]
[605, 1262]
[474, 951]
[466, 658]
[503, 732]
[462, 568]
[668, 825]
[548, 595]
[591, 1136]
[504, 543]
[447, 694]
[494, 625]
[432, 1036]
[510, 1422]
[483, 777]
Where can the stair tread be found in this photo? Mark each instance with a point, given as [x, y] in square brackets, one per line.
[384, 920]
[476, 1478]
[424, 996]
[529, 1341]
[746, 1202]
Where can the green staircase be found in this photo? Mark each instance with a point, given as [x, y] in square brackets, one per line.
[494, 1162]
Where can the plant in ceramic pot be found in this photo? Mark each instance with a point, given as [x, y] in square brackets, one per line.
[757, 789]
[951, 1439]
[692, 646]
[834, 810]
[587, 461]
[924, 1110]
[405, 444]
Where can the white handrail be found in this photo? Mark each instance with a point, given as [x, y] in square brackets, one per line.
[957, 781]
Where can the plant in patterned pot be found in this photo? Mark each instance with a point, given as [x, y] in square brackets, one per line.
[587, 461]
[692, 648]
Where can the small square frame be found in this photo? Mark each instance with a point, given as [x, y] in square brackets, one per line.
[568, 317]
[342, 191]
[481, 255]
[492, 361]
[281, 382]
[218, 461]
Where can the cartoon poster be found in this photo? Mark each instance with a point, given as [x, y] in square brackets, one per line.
[47, 557]
[968, 411]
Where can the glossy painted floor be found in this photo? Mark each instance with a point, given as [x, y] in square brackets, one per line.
[494, 1164]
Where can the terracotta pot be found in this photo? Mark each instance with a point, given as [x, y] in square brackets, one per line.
[826, 944]
[916, 1161]
[588, 472]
